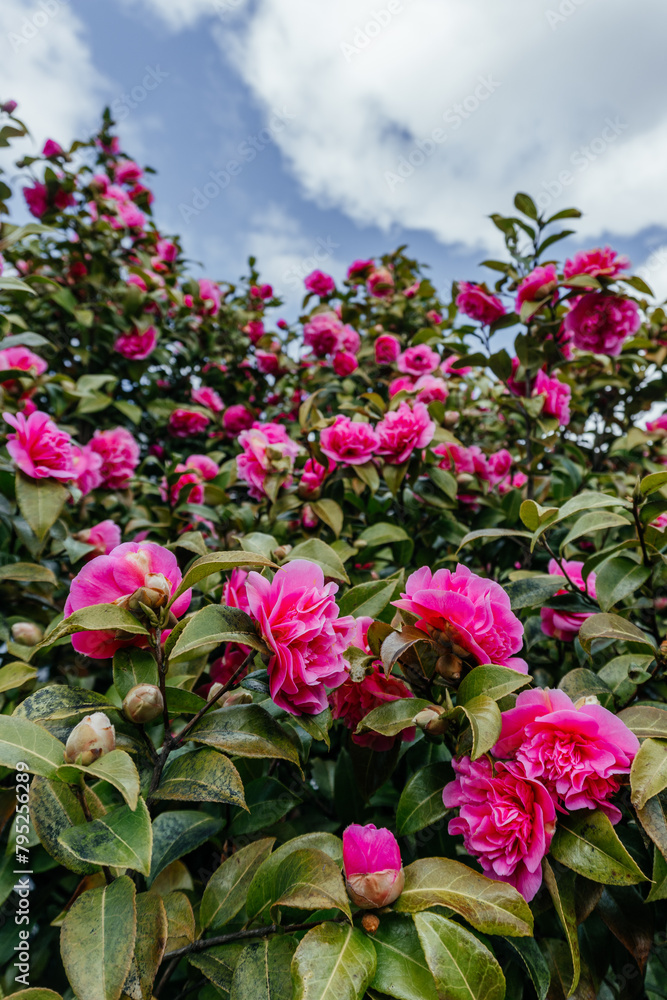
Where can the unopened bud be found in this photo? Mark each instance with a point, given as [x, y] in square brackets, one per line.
[143, 703]
[373, 870]
[27, 633]
[588, 699]
[90, 739]
[282, 551]
[309, 518]
[8, 107]
[370, 922]
[431, 720]
[449, 665]
[229, 698]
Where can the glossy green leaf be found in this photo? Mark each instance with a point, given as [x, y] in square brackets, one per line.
[14, 675]
[226, 890]
[120, 839]
[645, 720]
[606, 626]
[217, 562]
[116, 767]
[263, 970]
[218, 964]
[317, 551]
[40, 501]
[308, 879]
[493, 682]
[201, 776]
[55, 808]
[588, 524]
[268, 801]
[262, 891]
[105, 617]
[648, 775]
[178, 833]
[59, 701]
[333, 962]
[587, 843]
[367, 598]
[532, 591]
[463, 968]
[131, 666]
[330, 512]
[318, 726]
[421, 802]
[402, 970]
[149, 946]
[617, 579]
[26, 742]
[208, 628]
[27, 573]
[562, 895]
[245, 730]
[393, 717]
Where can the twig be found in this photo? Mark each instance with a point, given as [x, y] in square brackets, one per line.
[258, 932]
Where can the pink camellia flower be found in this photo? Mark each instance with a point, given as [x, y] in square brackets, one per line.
[348, 441]
[314, 474]
[120, 456]
[205, 396]
[205, 466]
[268, 363]
[236, 419]
[52, 148]
[298, 619]
[473, 614]
[186, 423]
[309, 519]
[136, 279]
[431, 389]
[359, 270]
[461, 460]
[557, 397]
[657, 426]
[412, 290]
[506, 818]
[575, 749]
[387, 349]
[133, 572]
[419, 360]
[660, 523]
[600, 323]
[166, 250]
[478, 303]
[498, 466]
[136, 345]
[514, 482]
[344, 363]
[401, 431]
[322, 333]
[131, 216]
[404, 383]
[9, 107]
[434, 316]
[349, 339]
[541, 283]
[127, 172]
[373, 868]
[354, 699]
[105, 536]
[447, 369]
[39, 448]
[234, 592]
[267, 451]
[37, 199]
[22, 359]
[210, 294]
[565, 625]
[380, 283]
[188, 487]
[87, 468]
[598, 263]
[254, 329]
[223, 669]
[320, 283]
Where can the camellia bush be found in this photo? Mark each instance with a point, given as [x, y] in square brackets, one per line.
[333, 652]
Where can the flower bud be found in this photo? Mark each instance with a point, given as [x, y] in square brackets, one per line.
[370, 922]
[27, 633]
[229, 698]
[8, 107]
[430, 720]
[373, 869]
[282, 551]
[90, 739]
[143, 703]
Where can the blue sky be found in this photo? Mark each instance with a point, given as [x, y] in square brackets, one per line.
[355, 126]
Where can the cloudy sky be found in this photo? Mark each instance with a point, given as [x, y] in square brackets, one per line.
[310, 132]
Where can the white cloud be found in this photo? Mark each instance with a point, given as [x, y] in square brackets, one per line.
[369, 81]
[48, 68]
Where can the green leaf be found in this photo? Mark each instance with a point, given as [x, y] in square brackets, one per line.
[393, 717]
[367, 598]
[402, 971]
[27, 573]
[619, 578]
[218, 964]
[648, 775]
[655, 481]
[607, 626]
[333, 962]
[563, 898]
[24, 741]
[131, 666]
[421, 802]
[308, 879]
[526, 951]
[263, 970]
[107, 617]
[533, 515]
[524, 203]
[445, 482]
[317, 726]
[121, 839]
[532, 591]
[382, 533]
[116, 767]
[317, 551]
[368, 474]
[202, 776]
[268, 800]
[492, 533]
[329, 512]
[179, 833]
[485, 721]
[587, 843]
[55, 808]
[494, 682]
[152, 929]
[463, 968]
[59, 701]
[491, 907]
[97, 940]
[35, 993]
[597, 520]
[218, 562]
[581, 683]
[226, 890]
[40, 501]
[206, 629]
[245, 730]
[645, 720]
[653, 817]
[14, 675]
[262, 889]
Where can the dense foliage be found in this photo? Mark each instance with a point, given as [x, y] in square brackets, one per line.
[275, 595]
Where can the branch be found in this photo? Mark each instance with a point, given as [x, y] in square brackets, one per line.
[258, 932]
